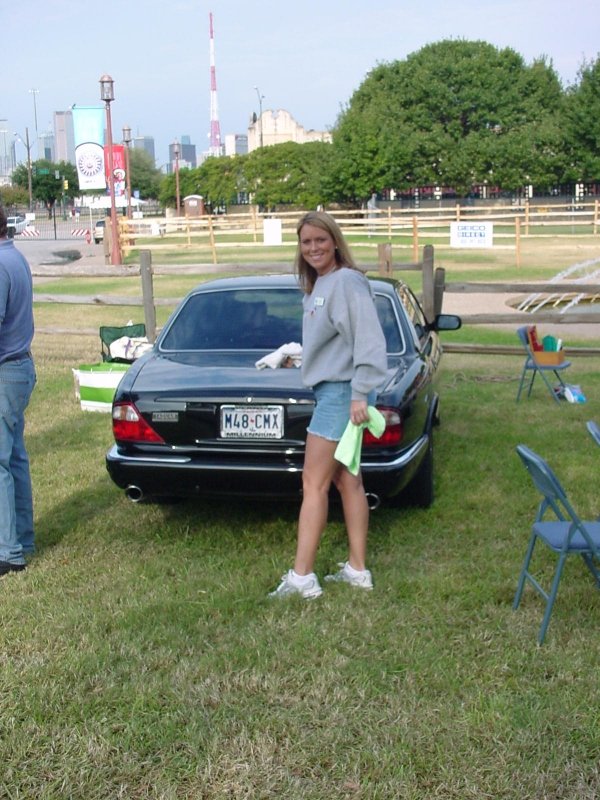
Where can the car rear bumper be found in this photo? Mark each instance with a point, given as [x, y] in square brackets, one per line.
[181, 475]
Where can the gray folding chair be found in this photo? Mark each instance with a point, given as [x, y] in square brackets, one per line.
[531, 365]
[566, 536]
[594, 431]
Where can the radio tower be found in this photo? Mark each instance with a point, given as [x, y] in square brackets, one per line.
[215, 128]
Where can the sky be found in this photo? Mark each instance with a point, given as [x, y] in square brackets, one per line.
[305, 57]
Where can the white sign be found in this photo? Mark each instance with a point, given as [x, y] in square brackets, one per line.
[471, 234]
[272, 231]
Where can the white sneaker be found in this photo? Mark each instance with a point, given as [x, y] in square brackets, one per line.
[308, 590]
[364, 579]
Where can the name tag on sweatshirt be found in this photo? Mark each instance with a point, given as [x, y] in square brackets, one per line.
[319, 301]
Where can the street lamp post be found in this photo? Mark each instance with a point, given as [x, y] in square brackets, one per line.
[261, 97]
[28, 147]
[177, 192]
[127, 142]
[34, 92]
[107, 94]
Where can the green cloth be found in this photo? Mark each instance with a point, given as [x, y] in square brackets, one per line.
[350, 445]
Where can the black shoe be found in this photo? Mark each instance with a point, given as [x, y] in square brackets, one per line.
[6, 567]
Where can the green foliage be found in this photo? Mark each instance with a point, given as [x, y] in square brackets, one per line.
[13, 196]
[145, 177]
[455, 113]
[282, 174]
[288, 173]
[582, 122]
[45, 185]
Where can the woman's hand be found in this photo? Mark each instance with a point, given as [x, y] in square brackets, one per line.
[358, 412]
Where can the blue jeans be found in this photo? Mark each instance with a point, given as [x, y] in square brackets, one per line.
[17, 379]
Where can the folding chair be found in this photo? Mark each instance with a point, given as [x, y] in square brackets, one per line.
[566, 536]
[110, 334]
[531, 365]
[594, 431]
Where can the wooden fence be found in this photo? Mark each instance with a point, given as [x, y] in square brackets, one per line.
[433, 288]
[404, 227]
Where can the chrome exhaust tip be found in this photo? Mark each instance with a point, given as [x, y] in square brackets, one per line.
[134, 493]
[373, 501]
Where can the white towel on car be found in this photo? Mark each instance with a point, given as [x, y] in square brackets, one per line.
[278, 358]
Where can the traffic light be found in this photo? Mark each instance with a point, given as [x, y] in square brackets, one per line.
[65, 185]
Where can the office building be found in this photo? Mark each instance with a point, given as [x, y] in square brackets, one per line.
[144, 143]
[275, 127]
[236, 144]
[7, 152]
[45, 145]
[187, 154]
[64, 137]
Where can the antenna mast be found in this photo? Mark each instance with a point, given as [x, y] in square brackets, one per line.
[215, 128]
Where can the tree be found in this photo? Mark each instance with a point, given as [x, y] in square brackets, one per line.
[218, 180]
[582, 124]
[145, 177]
[288, 173]
[456, 113]
[13, 196]
[49, 182]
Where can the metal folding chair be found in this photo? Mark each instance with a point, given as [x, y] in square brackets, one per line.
[567, 535]
[594, 431]
[531, 365]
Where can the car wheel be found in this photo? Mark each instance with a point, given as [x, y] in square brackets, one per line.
[420, 492]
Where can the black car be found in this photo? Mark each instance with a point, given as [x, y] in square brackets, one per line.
[195, 416]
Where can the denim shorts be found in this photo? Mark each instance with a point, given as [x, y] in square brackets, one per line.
[332, 412]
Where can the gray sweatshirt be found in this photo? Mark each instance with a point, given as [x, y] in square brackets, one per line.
[342, 339]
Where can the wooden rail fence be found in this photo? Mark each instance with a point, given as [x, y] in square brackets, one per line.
[434, 286]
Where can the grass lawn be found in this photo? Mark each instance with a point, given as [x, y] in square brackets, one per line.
[141, 657]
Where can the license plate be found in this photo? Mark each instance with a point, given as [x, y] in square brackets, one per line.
[252, 422]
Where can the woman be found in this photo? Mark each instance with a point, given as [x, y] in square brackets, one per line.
[343, 360]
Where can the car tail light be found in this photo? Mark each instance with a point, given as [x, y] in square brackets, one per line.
[129, 425]
[393, 433]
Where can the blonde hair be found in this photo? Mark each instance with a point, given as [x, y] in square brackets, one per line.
[307, 275]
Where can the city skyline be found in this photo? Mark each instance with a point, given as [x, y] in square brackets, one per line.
[158, 56]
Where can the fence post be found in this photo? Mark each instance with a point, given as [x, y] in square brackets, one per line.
[211, 238]
[415, 238]
[428, 289]
[595, 217]
[148, 294]
[518, 240]
[384, 258]
[458, 212]
[439, 282]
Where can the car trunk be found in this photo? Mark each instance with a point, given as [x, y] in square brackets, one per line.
[274, 407]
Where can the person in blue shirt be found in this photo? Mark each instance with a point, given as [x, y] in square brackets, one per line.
[17, 379]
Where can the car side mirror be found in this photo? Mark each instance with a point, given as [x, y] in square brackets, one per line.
[445, 322]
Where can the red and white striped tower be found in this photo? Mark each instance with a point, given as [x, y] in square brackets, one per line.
[215, 129]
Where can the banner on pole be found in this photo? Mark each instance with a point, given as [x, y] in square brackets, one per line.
[88, 130]
[118, 168]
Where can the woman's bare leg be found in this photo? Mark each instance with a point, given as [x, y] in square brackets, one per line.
[356, 516]
[320, 468]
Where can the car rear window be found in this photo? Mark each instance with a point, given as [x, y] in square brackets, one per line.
[390, 324]
[244, 319]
